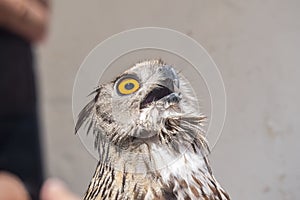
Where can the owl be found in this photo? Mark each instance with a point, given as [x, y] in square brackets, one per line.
[150, 138]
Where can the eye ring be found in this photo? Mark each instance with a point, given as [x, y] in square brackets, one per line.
[127, 85]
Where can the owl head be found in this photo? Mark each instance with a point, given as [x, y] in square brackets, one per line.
[148, 106]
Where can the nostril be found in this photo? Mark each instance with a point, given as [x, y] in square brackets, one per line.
[176, 82]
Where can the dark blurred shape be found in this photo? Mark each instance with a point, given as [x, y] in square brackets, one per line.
[20, 151]
[17, 85]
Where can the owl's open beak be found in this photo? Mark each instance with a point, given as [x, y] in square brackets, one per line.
[155, 95]
[164, 88]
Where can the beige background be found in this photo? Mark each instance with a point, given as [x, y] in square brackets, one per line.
[254, 43]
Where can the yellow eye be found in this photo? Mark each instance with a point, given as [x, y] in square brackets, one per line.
[128, 86]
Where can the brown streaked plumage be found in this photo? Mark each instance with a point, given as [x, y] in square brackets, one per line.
[150, 138]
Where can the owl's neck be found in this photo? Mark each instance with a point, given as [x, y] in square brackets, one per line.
[188, 175]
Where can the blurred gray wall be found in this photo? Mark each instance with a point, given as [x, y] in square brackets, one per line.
[254, 43]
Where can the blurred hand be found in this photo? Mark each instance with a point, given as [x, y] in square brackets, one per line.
[54, 189]
[11, 188]
[28, 18]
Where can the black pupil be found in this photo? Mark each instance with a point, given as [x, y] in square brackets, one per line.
[129, 86]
